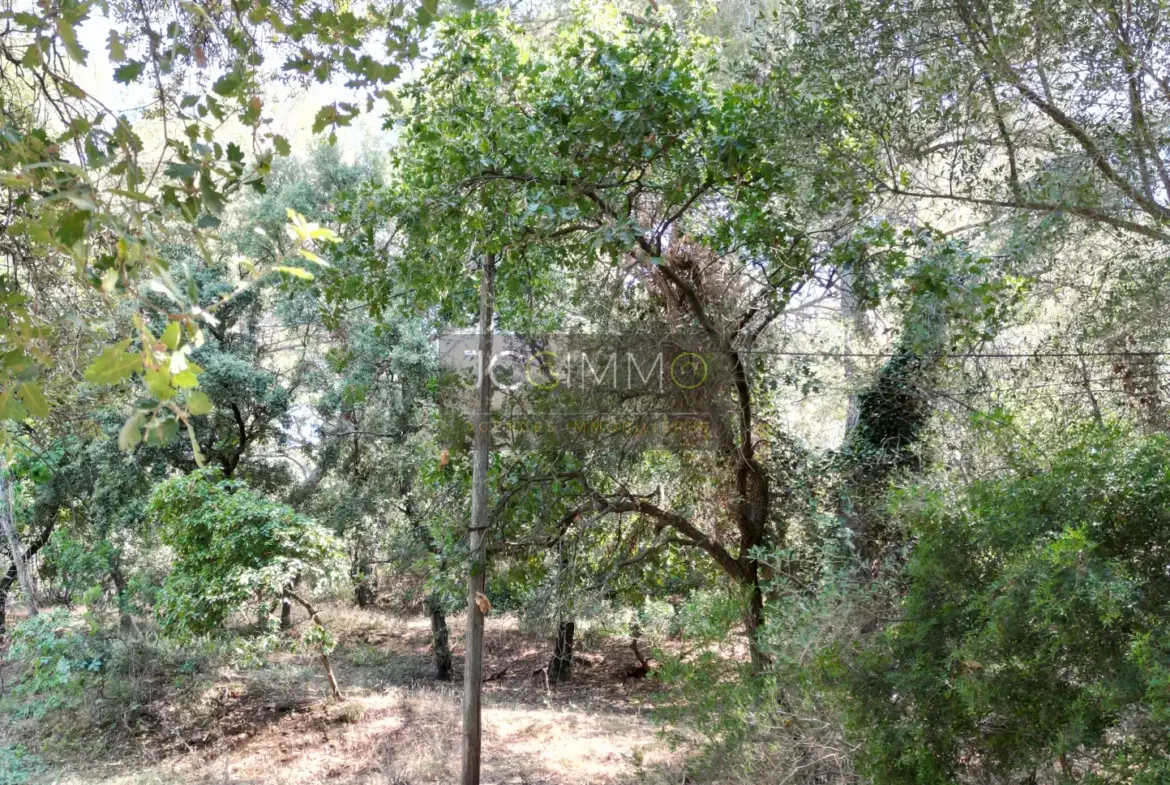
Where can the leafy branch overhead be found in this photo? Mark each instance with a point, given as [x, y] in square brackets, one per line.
[88, 184]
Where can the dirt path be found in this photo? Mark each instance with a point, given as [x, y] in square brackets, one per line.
[274, 726]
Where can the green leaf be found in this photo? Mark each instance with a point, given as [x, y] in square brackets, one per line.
[32, 56]
[323, 233]
[428, 11]
[10, 408]
[198, 403]
[312, 257]
[158, 381]
[72, 227]
[282, 146]
[131, 432]
[71, 89]
[326, 116]
[117, 50]
[69, 37]
[170, 336]
[296, 271]
[129, 72]
[228, 84]
[15, 360]
[162, 432]
[34, 399]
[114, 365]
[213, 200]
[185, 380]
[181, 171]
[31, 21]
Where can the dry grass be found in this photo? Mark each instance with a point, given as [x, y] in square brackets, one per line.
[274, 725]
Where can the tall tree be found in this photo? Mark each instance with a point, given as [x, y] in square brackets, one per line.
[16, 550]
[617, 154]
[477, 602]
[78, 175]
[1045, 107]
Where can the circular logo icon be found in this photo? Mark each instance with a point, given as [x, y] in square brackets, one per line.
[688, 370]
[547, 363]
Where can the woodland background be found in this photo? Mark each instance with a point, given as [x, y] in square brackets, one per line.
[917, 535]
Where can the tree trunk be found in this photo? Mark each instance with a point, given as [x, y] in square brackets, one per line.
[7, 520]
[854, 321]
[560, 668]
[122, 595]
[363, 593]
[6, 584]
[333, 688]
[9, 577]
[441, 639]
[754, 622]
[363, 583]
[440, 635]
[286, 610]
[893, 413]
[473, 658]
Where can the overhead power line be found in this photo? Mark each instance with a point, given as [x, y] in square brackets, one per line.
[957, 355]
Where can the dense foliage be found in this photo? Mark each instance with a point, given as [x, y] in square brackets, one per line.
[909, 525]
[234, 549]
[1033, 629]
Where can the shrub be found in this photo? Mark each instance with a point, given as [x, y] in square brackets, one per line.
[233, 547]
[59, 659]
[72, 662]
[1033, 640]
[17, 766]
[786, 720]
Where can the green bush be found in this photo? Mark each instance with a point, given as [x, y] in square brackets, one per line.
[58, 657]
[787, 718]
[73, 662]
[1033, 641]
[233, 548]
[17, 766]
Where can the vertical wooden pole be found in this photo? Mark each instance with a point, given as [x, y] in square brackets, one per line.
[8, 523]
[473, 658]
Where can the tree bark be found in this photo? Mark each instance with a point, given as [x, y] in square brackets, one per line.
[5, 585]
[333, 688]
[754, 622]
[286, 610]
[123, 596]
[851, 315]
[440, 635]
[560, 668]
[473, 658]
[363, 582]
[441, 638]
[9, 576]
[7, 520]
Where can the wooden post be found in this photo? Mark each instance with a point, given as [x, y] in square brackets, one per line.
[8, 522]
[473, 657]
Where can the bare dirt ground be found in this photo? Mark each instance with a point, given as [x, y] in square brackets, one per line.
[273, 724]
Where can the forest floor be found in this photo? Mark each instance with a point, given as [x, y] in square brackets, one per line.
[273, 724]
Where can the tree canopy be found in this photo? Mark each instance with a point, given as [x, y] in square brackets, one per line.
[810, 354]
